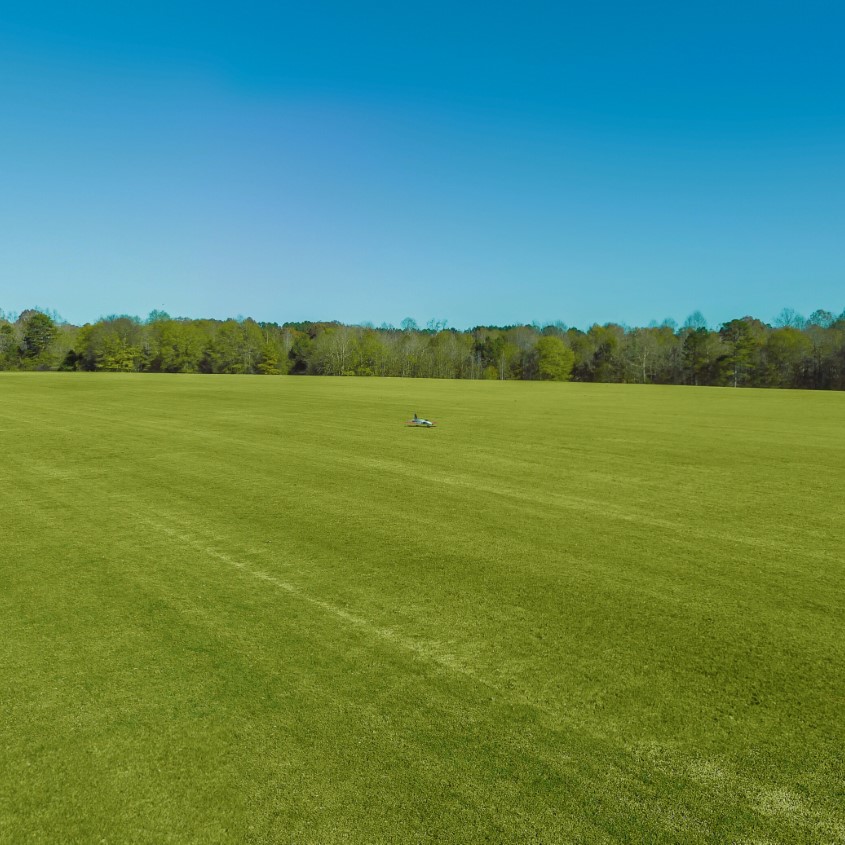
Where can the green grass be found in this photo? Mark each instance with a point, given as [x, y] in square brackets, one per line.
[261, 610]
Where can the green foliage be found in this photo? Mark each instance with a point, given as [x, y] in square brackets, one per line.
[236, 347]
[175, 346]
[38, 331]
[490, 373]
[113, 344]
[787, 357]
[156, 316]
[115, 355]
[796, 352]
[373, 355]
[268, 360]
[554, 359]
[8, 347]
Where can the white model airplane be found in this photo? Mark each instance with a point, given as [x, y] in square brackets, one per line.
[419, 421]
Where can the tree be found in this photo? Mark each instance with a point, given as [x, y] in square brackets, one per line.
[39, 331]
[113, 343]
[524, 339]
[789, 355]
[175, 346]
[795, 353]
[116, 355]
[821, 318]
[640, 348]
[666, 364]
[8, 347]
[604, 363]
[268, 362]
[372, 354]
[741, 336]
[790, 318]
[695, 321]
[554, 359]
[236, 347]
[334, 352]
[433, 326]
[694, 344]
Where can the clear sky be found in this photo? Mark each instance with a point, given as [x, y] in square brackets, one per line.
[480, 163]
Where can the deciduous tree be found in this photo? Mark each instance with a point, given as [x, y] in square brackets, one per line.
[554, 359]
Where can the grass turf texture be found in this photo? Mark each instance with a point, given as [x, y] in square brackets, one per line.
[262, 610]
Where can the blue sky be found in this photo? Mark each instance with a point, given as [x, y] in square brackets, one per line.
[480, 163]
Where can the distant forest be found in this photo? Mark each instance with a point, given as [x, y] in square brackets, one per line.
[746, 352]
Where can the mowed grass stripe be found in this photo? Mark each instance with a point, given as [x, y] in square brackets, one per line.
[179, 627]
[623, 690]
[809, 457]
[194, 611]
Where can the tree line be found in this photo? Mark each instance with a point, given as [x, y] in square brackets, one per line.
[794, 351]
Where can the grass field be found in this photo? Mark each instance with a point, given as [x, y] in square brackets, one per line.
[246, 609]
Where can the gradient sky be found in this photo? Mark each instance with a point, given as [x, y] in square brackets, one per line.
[480, 163]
